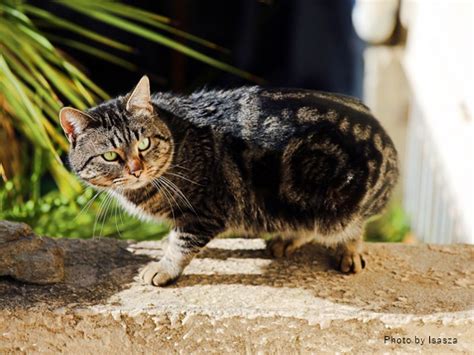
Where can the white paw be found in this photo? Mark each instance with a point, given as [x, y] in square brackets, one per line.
[157, 274]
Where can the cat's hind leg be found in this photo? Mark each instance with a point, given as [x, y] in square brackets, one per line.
[348, 245]
[350, 256]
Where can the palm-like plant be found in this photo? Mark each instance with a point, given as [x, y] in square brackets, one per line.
[37, 79]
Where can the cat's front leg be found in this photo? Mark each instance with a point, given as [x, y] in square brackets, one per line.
[182, 247]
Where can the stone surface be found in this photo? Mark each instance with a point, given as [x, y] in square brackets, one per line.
[233, 298]
[27, 257]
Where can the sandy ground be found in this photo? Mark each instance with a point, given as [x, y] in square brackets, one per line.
[235, 298]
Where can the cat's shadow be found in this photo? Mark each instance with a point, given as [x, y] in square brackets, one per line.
[390, 282]
[296, 270]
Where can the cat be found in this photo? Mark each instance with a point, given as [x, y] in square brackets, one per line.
[301, 165]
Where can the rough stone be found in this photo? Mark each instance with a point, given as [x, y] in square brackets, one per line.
[27, 257]
[233, 298]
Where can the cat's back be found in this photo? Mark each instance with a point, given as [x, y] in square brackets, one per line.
[267, 117]
[310, 105]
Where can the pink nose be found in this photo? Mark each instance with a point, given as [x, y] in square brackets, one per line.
[135, 167]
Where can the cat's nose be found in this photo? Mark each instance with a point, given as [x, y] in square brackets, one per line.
[135, 167]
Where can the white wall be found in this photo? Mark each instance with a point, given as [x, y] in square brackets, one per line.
[439, 66]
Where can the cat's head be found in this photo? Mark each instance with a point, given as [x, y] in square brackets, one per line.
[120, 144]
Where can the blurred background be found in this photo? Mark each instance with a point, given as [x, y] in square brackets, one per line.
[414, 74]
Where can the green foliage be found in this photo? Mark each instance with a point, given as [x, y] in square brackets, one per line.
[392, 226]
[87, 215]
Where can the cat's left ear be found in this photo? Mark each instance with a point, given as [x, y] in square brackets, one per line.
[140, 99]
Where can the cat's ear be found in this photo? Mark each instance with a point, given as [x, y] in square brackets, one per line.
[73, 122]
[140, 99]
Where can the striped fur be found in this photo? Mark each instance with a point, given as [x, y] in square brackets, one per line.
[299, 164]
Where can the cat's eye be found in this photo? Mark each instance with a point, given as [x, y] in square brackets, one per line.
[110, 156]
[144, 144]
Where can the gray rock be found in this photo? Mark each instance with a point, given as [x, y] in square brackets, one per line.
[27, 257]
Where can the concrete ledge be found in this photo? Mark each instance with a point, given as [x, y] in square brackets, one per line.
[234, 298]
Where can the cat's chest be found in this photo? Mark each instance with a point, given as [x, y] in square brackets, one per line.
[137, 210]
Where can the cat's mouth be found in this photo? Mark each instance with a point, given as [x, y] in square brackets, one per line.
[130, 183]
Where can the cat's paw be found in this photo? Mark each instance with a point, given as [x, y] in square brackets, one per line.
[351, 262]
[157, 274]
[279, 247]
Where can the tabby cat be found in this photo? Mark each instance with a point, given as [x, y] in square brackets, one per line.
[297, 164]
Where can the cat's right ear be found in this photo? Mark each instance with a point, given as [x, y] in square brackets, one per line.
[73, 122]
[139, 99]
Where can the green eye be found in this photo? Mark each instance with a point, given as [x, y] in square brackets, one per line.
[110, 156]
[144, 144]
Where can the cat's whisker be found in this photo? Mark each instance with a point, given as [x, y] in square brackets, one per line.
[180, 193]
[106, 213]
[96, 218]
[158, 185]
[87, 205]
[161, 191]
[121, 210]
[100, 215]
[169, 193]
[178, 166]
[116, 209]
[110, 206]
[183, 177]
[181, 196]
[170, 190]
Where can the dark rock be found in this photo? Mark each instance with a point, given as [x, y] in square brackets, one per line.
[27, 257]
